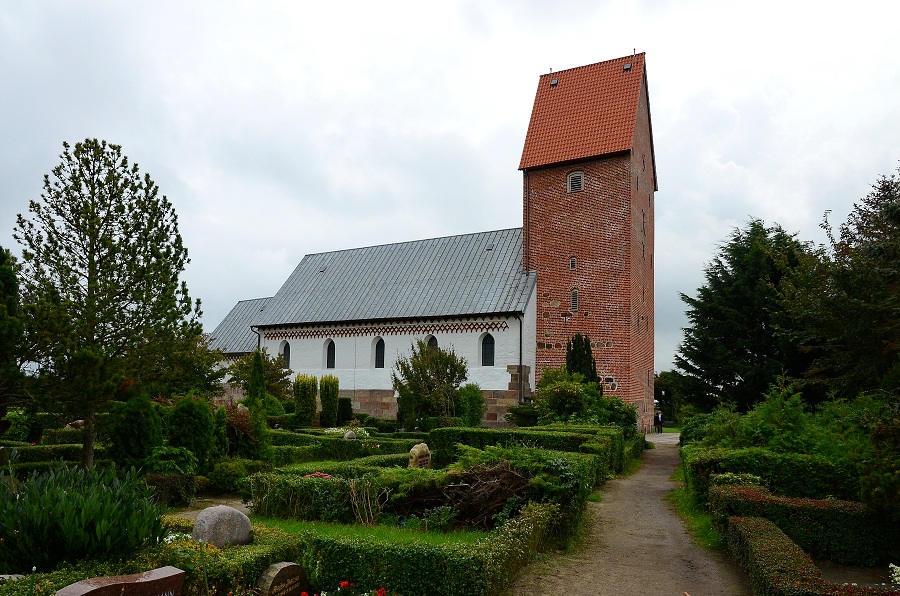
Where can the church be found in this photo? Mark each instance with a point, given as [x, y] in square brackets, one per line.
[506, 300]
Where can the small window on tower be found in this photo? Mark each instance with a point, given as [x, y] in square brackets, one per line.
[573, 263]
[574, 299]
[575, 182]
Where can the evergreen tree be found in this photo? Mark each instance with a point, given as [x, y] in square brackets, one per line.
[256, 403]
[191, 425]
[580, 358]
[11, 335]
[102, 257]
[329, 390]
[276, 377]
[306, 389]
[735, 345]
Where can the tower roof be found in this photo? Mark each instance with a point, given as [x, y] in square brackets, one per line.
[584, 112]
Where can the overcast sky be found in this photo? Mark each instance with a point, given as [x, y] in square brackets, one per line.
[281, 129]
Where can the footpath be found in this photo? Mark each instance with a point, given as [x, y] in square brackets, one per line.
[636, 545]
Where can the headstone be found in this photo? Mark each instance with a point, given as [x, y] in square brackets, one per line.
[420, 456]
[283, 579]
[222, 525]
[349, 435]
[165, 581]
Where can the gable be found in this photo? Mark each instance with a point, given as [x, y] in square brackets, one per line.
[467, 275]
[589, 112]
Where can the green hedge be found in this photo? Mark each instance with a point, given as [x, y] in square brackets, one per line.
[841, 531]
[296, 447]
[48, 453]
[485, 568]
[778, 567]
[606, 442]
[62, 436]
[791, 474]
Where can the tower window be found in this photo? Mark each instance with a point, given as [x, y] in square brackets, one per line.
[329, 354]
[487, 350]
[379, 353]
[573, 263]
[574, 299]
[575, 182]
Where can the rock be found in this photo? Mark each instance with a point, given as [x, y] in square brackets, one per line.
[222, 525]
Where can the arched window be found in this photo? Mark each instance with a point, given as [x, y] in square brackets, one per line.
[432, 341]
[487, 350]
[575, 182]
[379, 353]
[573, 263]
[574, 299]
[286, 354]
[329, 354]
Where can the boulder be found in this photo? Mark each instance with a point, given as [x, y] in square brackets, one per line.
[222, 525]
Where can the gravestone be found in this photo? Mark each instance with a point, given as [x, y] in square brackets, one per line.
[283, 579]
[222, 525]
[420, 456]
[165, 581]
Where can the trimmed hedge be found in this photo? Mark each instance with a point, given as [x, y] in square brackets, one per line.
[62, 436]
[602, 441]
[778, 567]
[794, 474]
[48, 453]
[290, 447]
[840, 531]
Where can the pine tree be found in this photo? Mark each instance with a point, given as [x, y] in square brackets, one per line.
[580, 358]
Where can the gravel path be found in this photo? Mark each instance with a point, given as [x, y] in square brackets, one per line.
[636, 544]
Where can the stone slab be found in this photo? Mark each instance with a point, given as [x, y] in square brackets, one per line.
[165, 581]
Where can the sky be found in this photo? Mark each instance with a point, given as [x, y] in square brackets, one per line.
[279, 129]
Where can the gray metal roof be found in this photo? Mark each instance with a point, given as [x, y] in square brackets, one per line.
[233, 335]
[472, 274]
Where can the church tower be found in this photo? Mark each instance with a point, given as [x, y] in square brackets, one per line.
[589, 176]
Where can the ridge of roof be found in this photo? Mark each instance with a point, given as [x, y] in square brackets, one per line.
[590, 111]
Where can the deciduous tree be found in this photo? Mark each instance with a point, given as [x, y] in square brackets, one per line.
[427, 382]
[102, 261]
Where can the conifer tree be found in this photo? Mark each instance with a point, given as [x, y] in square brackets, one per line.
[580, 358]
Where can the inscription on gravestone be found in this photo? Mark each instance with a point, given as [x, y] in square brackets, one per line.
[165, 581]
[283, 579]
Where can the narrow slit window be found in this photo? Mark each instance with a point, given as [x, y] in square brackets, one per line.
[573, 263]
[574, 299]
[487, 350]
[379, 353]
[329, 354]
[575, 182]
[286, 355]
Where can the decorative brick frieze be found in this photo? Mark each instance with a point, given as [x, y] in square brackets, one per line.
[414, 328]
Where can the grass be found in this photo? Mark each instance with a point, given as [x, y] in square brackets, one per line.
[696, 520]
[382, 533]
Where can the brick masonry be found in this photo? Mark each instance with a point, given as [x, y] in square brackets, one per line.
[608, 229]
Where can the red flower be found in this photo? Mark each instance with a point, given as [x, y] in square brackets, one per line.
[344, 584]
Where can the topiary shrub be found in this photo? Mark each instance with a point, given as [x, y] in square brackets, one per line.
[306, 387]
[96, 513]
[273, 406]
[471, 405]
[226, 475]
[134, 430]
[328, 390]
[345, 411]
[191, 426]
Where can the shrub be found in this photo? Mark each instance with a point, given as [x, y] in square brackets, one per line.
[220, 437]
[173, 490]
[471, 405]
[306, 387]
[345, 411]
[427, 383]
[525, 414]
[96, 513]
[273, 405]
[227, 475]
[191, 426]
[62, 436]
[840, 531]
[240, 442]
[778, 567]
[328, 391]
[133, 431]
[171, 460]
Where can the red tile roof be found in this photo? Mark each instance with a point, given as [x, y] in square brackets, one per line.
[589, 112]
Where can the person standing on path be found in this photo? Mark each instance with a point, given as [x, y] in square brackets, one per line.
[636, 545]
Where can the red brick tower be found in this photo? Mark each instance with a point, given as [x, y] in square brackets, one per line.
[589, 175]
